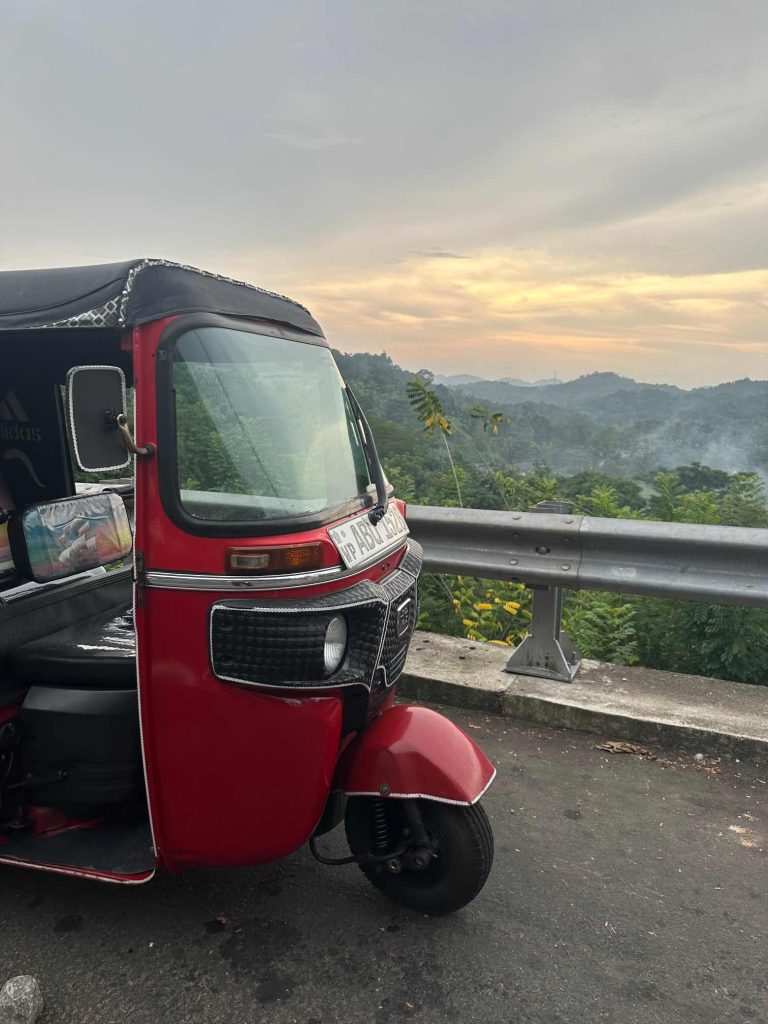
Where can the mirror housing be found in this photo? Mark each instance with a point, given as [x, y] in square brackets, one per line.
[95, 403]
[65, 537]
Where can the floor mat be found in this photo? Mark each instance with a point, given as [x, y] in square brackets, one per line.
[120, 849]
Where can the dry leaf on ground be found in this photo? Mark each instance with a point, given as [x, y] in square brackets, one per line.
[623, 747]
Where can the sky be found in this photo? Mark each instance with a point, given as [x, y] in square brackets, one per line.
[500, 187]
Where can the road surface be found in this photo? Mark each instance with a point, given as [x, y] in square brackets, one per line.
[623, 890]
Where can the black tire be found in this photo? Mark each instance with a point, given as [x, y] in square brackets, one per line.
[464, 844]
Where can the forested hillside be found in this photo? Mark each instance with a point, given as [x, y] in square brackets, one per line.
[601, 421]
[611, 447]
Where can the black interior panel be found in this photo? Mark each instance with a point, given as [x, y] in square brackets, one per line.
[99, 652]
[48, 608]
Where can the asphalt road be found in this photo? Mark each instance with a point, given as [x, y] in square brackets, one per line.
[623, 889]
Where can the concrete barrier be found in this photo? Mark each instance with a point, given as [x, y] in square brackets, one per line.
[668, 708]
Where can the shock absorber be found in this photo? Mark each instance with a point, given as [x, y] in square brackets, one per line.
[380, 827]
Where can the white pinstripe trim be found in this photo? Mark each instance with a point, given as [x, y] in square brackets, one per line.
[71, 415]
[423, 796]
[16, 862]
[141, 733]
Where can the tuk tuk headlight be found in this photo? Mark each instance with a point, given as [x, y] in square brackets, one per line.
[335, 646]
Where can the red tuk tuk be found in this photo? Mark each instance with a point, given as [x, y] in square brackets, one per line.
[213, 683]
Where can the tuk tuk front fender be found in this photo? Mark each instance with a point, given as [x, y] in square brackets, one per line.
[413, 752]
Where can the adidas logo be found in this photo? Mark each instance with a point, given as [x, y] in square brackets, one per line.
[14, 420]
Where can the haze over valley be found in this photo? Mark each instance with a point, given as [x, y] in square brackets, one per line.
[600, 421]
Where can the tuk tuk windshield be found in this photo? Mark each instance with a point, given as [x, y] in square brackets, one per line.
[264, 428]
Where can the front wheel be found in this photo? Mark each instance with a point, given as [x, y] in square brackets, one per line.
[460, 847]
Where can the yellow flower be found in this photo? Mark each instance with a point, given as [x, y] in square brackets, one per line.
[512, 607]
[469, 622]
[500, 643]
[483, 606]
[456, 602]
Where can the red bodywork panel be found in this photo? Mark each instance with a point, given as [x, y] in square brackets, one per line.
[235, 776]
[412, 751]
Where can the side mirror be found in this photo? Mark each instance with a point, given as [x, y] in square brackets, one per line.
[95, 402]
[65, 537]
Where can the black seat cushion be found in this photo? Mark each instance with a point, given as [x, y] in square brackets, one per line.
[99, 652]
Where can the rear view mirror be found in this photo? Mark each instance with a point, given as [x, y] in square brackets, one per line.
[95, 398]
[62, 538]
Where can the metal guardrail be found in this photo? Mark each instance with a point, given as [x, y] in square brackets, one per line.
[548, 551]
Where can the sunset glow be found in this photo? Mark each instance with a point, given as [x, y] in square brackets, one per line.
[498, 314]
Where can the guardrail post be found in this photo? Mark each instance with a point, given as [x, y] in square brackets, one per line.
[547, 651]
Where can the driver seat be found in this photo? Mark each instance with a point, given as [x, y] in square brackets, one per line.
[99, 653]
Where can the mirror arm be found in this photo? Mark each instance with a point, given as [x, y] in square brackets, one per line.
[121, 422]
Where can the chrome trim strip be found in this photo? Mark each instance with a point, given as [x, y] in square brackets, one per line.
[287, 581]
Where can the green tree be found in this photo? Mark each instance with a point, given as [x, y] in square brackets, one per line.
[429, 410]
[523, 490]
[628, 493]
[603, 501]
[490, 420]
[744, 502]
[696, 477]
[602, 626]
[698, 507]
[666, 496]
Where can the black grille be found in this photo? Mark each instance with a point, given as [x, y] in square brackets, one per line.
[280, 643]
[402, 621]
[253, 646]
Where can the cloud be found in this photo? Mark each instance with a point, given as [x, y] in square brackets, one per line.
[308, 140]
[580, 183]
[441, 254]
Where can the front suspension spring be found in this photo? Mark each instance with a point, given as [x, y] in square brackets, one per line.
[380, 827]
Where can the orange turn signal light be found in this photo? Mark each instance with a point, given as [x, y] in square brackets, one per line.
[274, 561]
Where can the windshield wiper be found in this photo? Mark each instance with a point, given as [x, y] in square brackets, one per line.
[372, 459]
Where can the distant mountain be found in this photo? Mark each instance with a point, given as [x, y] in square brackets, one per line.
[516, 382]
[457, 380]
[570, 394]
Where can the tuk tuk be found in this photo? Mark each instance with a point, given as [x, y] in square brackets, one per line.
[198, 663]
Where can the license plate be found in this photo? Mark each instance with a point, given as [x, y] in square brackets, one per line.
[359, 541]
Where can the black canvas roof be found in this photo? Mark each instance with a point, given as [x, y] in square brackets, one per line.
[132, 293]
